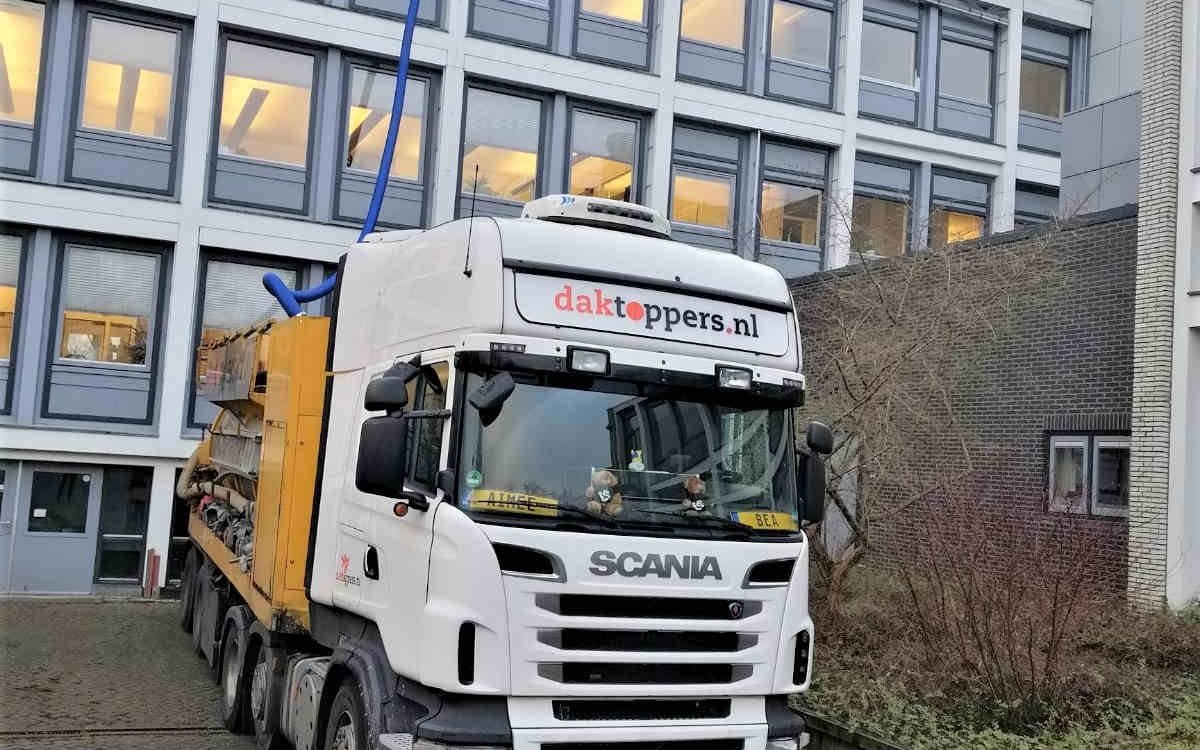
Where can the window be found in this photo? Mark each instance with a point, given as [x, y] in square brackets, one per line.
[965, 71]
[889, 54]
[1089, 474]
[129, 78]
[265, 99]
[233, 298]
[1043, 88]
[718, 22]
[1035, 204]
[879, 226]
[633, 11]
[801, 33]
[21, 28]
[958, 208]
[502, 134]
[367, 119]
[108, 305]
[603, 156]
[791, 213]
[704, 198]
[58, 502]
[425, 436]
[10, 275]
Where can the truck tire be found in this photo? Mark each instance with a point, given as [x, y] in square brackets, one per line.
[235, 703]
[187, 590]
[346, 727]
[265, 694]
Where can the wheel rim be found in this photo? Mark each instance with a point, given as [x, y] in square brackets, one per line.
[258, 689]
[344, 735]
[231, 676]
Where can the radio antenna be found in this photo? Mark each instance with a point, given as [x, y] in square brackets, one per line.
[471, 223]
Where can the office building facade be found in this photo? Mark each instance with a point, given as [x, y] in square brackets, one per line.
[157, 156]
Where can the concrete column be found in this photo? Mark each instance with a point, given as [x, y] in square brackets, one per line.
[658, 158]
[444, 191]
[841, 183]
[1007, 113]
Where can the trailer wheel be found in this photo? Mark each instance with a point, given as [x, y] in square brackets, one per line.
[235, 713]
[264, 694]
[187, 591]
[346, 728]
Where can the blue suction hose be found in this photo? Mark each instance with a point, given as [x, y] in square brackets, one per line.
[290, 299]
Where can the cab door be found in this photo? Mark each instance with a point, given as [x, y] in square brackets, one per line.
[394, 583]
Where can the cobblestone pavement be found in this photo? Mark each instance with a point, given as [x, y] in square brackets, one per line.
[111, 675]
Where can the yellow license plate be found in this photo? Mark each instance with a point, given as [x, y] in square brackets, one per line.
[768, 520]
[512, 502]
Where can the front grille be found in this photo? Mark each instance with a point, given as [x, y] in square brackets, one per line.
[583, 639]
[641, 710]
[665, 608]
[597, 673]
[734, 744]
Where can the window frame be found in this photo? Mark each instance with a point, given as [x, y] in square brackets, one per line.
[649, 10]
[747, 22]
[962, 40]
[157, 322]
[1068, 62]
[1091, 441]
[24, 253]
[647, 15]
[833, 35]
[732, 229]
[412, 439]
[936, 203]
[916, 87]
[49, 19]
[544, 126]
[882, 192]
[102, 536]
[553, 9]
[314, 105]
[1098, 442]
[207, 255]
[177, 106]
[637, 118]
[793, 179]
[426, 160]
[354, 6]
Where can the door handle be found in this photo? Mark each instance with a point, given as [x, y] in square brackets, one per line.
[371, 564]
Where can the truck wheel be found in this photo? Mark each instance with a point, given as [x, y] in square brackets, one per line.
[346, 728]
[233, 679]
[263, 700]
[187, 591]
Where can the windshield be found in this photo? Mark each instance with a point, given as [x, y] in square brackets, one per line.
[613, 455]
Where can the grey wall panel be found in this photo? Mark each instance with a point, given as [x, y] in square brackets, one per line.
[707, 143]
[1120, 125]
[621, 43]
[1037, 39]
[485, 206]
[259, 183]
[963, 28]
[101, 393]
[800, 82]
[965, 118]
[116, 160]
[887, 177]
[709, 64]
[794, 159]
[701, 237]
[792, 261]
[427, 13]
[894, 8]
[401, 203]
[524, 23]
[16, 147]
[1081, 151]
[888, 102]
[1039, 133]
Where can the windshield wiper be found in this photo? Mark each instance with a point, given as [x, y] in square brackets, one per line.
[724, 522]
[609, 520]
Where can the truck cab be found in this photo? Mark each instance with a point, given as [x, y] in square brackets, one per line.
[558, 483]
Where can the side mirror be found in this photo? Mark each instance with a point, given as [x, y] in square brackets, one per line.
[488, 398]
[819, 438]
[812, 484]
[387, 393]
[383, 458]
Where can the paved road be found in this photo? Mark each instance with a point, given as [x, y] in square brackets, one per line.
[116, 675]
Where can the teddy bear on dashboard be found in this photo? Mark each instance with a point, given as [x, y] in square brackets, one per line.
[693, 495]
[604, 493]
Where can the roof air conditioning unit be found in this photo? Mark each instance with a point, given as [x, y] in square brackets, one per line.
[599, 212]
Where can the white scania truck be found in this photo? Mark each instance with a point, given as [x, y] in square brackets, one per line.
[540, 490]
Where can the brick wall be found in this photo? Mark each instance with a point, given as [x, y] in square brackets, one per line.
[1038, 337]
[1158, 181]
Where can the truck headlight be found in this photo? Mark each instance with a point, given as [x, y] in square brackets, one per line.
[408, 742]
[788, 743]
[733, 377]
